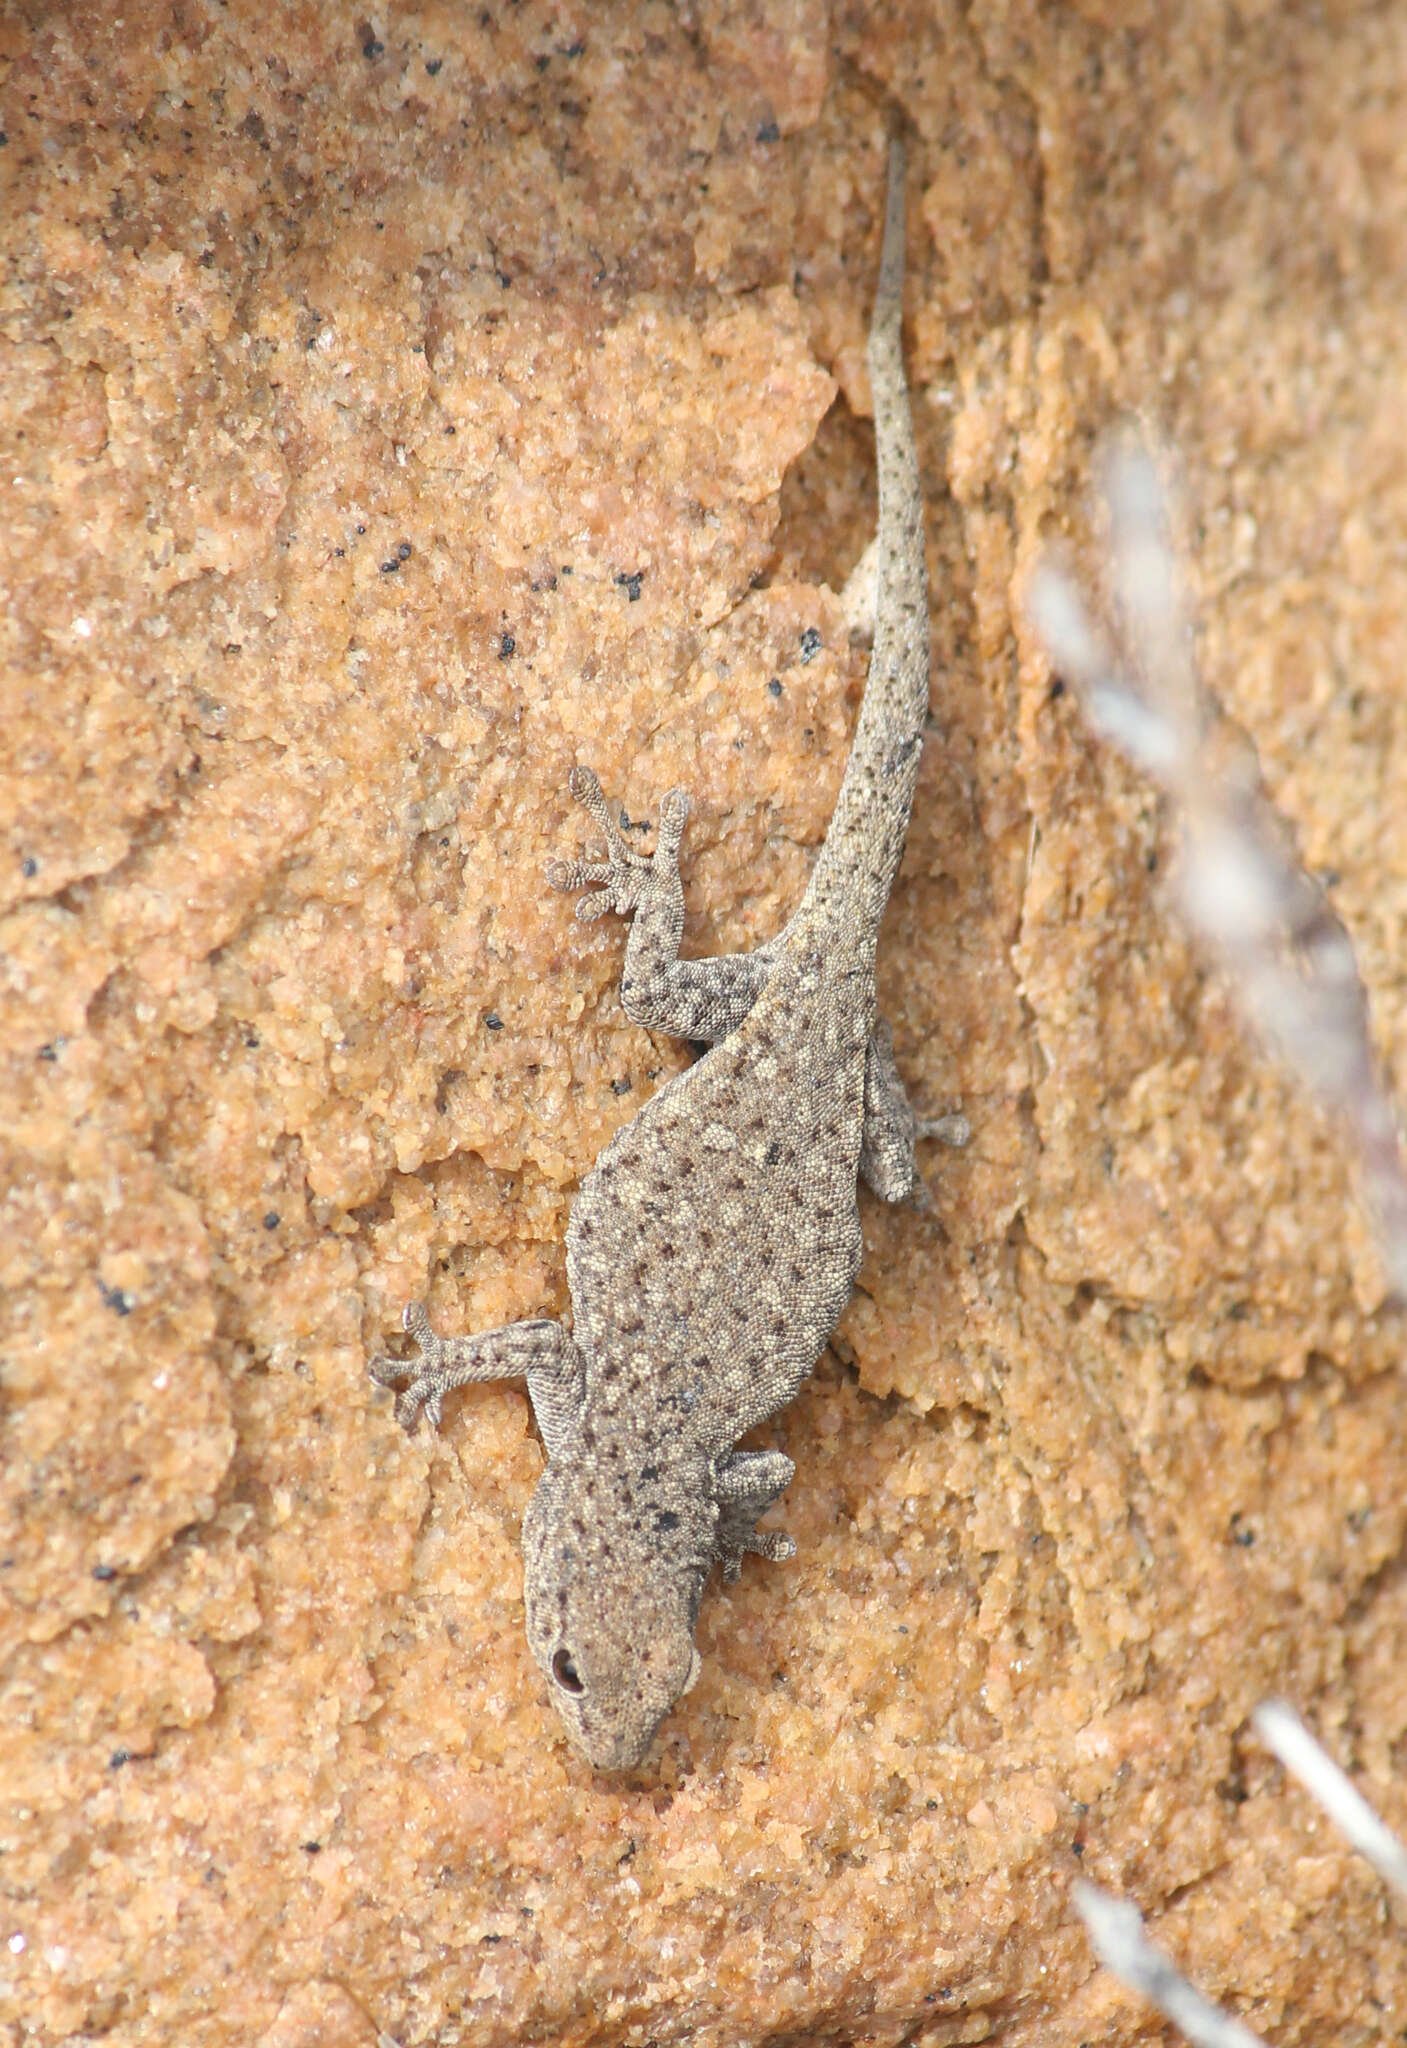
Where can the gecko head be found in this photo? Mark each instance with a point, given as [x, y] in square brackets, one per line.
[612, 1583]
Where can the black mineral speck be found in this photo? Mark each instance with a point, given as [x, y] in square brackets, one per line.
[810, 643]
[629, 580]
[372, 49]
[29, 866]
[104, 1572]
[774, 688]
[493, 1022]
[271, 1219]
[507, 647]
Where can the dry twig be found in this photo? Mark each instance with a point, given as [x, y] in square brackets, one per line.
[1285, 1735]
[1268, 924]
[1115, 1927]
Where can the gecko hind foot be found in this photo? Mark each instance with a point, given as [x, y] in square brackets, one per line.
[891, 1128]
[623, 878]
[429, 1382]
[953, 1129]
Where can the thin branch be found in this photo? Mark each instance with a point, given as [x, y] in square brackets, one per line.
[1282, 1731]
[1269, 926]
[1115, 1927]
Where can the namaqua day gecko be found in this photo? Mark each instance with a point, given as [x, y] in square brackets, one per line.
[712, 1247]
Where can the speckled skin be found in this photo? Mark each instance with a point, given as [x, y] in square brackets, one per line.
[713, 1246]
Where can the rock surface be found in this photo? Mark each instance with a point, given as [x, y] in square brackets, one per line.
[395, 411]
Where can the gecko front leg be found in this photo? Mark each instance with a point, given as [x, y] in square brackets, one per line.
[745, 1484]
[699, 999]
[540, 1351]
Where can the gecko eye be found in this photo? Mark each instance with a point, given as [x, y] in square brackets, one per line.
[566, 1673]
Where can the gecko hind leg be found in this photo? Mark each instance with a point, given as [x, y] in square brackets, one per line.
[891, 1128]
[698, 999]
[626, 879]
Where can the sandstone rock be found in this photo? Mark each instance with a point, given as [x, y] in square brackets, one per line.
[395, 411]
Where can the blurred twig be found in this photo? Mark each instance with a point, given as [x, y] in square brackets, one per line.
[1285, 1735]
[1115, 1926]
[1290, 964]
[1268, 924]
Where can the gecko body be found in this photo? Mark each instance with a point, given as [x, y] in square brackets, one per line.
[713, 1246]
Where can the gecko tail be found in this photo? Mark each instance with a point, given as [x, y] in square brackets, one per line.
[855, 870]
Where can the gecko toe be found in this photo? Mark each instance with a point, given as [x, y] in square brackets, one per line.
[576, 874]
[588, 792]
[415, 1319]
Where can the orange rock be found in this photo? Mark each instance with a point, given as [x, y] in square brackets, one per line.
[393, 413]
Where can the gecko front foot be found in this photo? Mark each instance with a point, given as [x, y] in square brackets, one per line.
[624, 877]
[745, 1484]
[734, 1544]
[429, 1380]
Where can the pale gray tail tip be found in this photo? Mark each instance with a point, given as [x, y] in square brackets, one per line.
[891, 260]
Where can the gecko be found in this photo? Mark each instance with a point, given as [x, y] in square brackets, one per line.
[712, 1248]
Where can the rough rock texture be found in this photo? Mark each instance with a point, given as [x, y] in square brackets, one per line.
[397, 409]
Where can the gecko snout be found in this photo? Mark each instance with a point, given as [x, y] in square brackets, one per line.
[611, 1585]
[612, 1696]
